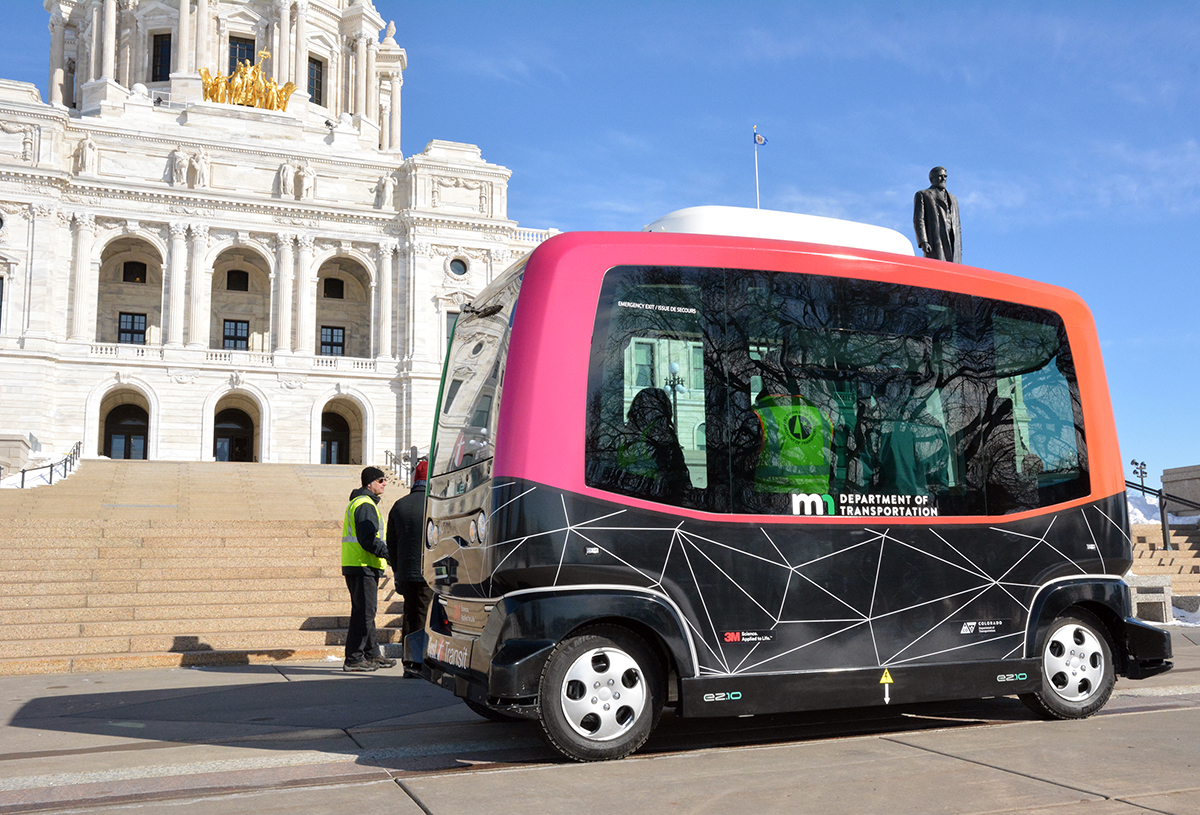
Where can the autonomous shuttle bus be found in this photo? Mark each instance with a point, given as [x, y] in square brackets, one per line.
[748, 462]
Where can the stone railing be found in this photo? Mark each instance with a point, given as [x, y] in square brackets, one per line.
[345, 363]
[533, 235]
[122, 350]
[239, 358]
[233, 359]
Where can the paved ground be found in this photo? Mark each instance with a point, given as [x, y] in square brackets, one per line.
[306, 738]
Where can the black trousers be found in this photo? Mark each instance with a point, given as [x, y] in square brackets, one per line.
[364, 599]
[417, 597]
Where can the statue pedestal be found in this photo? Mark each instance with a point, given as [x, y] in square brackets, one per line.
[186, 88]
[102, 97]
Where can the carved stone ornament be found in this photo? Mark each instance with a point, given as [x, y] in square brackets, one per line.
[123, 377]
[292, 382]
[457, 299]
[237, 379]
[183, 376]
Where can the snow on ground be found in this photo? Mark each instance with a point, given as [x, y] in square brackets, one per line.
[1188, 619]
[34, 478]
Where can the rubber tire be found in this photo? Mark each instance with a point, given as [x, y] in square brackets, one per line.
[559, 732]
[1048, 702]
[489, 714]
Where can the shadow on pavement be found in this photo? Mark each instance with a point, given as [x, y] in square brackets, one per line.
[383, 720]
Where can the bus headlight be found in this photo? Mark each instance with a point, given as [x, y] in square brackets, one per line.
[478, 528]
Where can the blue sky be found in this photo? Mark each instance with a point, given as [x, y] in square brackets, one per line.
[1069, 131]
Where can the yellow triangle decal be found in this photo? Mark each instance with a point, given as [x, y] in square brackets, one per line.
[886, 679]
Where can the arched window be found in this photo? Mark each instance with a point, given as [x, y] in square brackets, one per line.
[125, 431]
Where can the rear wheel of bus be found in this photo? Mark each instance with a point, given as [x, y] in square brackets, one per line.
[1077, 668]
[600, 695]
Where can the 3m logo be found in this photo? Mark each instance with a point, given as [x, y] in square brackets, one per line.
[806, 503]
[800, 427]
[733, 636]
[968, 628]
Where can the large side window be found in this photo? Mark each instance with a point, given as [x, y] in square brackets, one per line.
[778, 393]
[850, 397]
[646, 390]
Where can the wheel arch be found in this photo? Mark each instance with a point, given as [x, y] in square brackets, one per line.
[542, 618]
[1105, 596]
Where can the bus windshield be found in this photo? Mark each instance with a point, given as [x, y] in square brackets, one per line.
[465, 423]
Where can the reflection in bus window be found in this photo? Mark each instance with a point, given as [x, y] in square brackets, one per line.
[649, 384]
[875, 393]
[466, 425]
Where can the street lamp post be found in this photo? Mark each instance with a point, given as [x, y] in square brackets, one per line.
[674, 384]
[1139, 469]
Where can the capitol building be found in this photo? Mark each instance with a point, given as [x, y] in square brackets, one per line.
[211, 246]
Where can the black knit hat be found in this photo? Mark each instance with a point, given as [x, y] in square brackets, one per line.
[372, 474]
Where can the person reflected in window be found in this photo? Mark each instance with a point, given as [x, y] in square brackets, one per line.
[649, 452]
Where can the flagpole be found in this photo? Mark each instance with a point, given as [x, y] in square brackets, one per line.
[757, 204]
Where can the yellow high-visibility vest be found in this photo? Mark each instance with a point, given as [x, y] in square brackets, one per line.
[795, 446]
[352, 553]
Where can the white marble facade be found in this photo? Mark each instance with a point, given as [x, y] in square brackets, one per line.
[186, 280]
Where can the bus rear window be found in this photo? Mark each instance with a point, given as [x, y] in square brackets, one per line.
[777, 393]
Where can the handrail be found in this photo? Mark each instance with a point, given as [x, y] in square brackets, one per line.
[70, 460]
[1164, 517]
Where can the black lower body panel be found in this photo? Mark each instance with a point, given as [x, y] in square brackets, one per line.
[740, 695]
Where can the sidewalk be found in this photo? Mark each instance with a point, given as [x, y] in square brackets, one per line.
[307, 738]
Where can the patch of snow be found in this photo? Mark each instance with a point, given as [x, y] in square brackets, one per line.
[36, 478]
[1143, 509]
[1189, 619]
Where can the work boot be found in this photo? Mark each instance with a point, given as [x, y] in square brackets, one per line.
[382, 662]
[360, 666]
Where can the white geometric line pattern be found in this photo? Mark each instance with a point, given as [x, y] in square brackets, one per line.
[815, 596]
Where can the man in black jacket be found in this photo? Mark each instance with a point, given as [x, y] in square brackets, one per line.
[404, 551]
[364, 550]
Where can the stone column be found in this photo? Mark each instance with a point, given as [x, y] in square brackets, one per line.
[183, 52]
[85, 234]
[300, 63]
[199, 329]
[383, 337]
[306, 330]
[177, 269]
[282, 63]
[109, 53]
[203, 29]
[58, 66]
[95, 45]
[360, 76]
[125, 44]
[394, 131]
[372, 81]
[284, 305]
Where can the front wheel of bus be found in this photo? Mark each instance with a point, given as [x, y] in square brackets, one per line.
[1077, 668]
[600, 694]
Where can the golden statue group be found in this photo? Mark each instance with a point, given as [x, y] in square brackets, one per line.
[248, 86]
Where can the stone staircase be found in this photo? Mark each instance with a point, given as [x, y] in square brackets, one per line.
[152, 564]
[1181, 563]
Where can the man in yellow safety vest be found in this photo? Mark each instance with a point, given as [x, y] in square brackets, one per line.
[364, 553]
